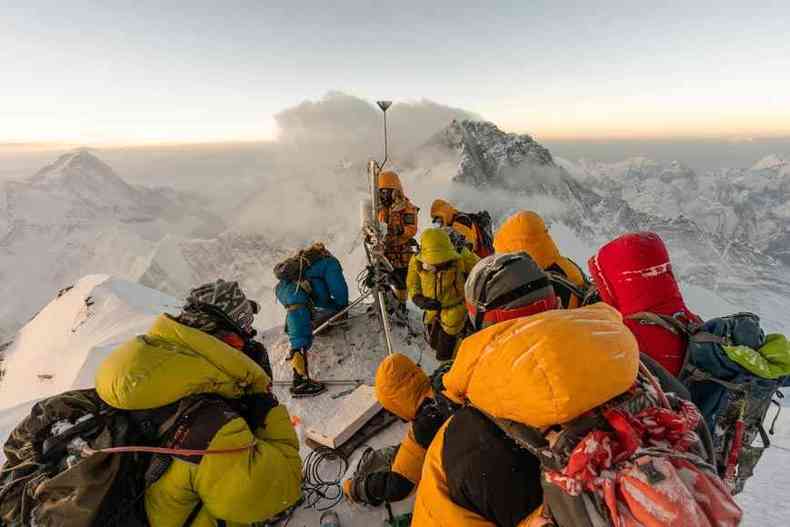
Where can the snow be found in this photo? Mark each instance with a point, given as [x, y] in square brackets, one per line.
[770, 162]
[61, 347]
[77, 216]
[68, 339]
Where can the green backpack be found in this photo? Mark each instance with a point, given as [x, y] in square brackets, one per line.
[55, 473]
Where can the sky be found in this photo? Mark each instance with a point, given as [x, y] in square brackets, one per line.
[139, 72]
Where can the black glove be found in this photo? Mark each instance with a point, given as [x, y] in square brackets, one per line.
[426, 304]
[257, 407]
[427, 423]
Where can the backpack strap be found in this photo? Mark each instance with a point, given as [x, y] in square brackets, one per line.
[671, 324]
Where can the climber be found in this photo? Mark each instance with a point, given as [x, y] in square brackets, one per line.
[312, 289]
[633, 274]
[435, 282]
[391, 474]
[400, 218]
[523, 383]
[526, 231]
[206, 350]
[474, 227]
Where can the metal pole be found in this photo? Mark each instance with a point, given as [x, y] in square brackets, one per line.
[342, 312]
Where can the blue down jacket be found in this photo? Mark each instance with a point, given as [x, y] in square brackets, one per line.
[328, 294]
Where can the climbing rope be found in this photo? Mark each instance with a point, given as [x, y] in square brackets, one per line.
[322, 486]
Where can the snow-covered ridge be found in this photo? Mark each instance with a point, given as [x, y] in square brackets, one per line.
[61, 346]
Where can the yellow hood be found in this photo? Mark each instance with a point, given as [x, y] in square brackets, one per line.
[171, 362]
[443, 210]
[525, 231]
[548, 368]
[401, 386]
[436, 248]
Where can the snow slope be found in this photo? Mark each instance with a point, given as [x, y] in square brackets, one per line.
[77, 217]
[60, 348]
[69, 338]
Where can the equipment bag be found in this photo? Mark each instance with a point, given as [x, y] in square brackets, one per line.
[59, 472]
[292, 268]
[734, 402]
[634, 460]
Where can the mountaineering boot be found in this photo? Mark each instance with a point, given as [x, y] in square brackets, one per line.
[305, 387]
[302, 386]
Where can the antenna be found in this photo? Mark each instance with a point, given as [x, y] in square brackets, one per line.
[385, 105]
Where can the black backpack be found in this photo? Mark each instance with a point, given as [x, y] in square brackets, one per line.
[292, 269]
[482, 223]
[57, 474]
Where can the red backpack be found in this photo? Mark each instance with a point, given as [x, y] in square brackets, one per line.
[635, 461]
[633, 274]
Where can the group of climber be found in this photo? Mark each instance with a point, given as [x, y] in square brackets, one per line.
[564, 404]
[557, 401]
[432, 274]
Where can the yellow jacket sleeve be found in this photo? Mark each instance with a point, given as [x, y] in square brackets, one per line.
[409, 459]
[413, 283]
[468, 261]
[255, 484]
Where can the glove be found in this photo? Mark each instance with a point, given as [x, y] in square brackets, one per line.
[427, 423]
[426, 304]
[257, 407]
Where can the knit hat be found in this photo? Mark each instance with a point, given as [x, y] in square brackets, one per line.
[505, 286]
[216, 306]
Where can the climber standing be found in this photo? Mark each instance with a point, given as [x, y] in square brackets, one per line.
[312, 289]
[436, 285]
[474, 227]
[526, 231]
[400, 217]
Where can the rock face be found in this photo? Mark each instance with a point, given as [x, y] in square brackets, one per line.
[726, 231]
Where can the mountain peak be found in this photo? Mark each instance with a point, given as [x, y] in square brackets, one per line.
[771, 162]
[78, 164]
[489, 154]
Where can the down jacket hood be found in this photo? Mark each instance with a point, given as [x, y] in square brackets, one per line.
[436, 248]
[548, 368]
[389, 179]
[401, 386]
[173, 361]
[443, 210]
[526, 231]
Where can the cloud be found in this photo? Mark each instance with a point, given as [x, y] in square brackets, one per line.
[344, 126]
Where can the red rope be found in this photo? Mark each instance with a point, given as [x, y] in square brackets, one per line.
[167, 451]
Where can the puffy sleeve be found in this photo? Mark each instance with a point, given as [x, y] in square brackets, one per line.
[413, 283]
[336, 283]
[469, 260]
[256, 484]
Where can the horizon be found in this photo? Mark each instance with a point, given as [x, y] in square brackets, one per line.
[153, 74]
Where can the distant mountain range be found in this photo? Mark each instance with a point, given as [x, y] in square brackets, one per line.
[728, 231]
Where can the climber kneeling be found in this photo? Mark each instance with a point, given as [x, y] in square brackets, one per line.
[436, 285]
[312, 289]
[391, 474]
